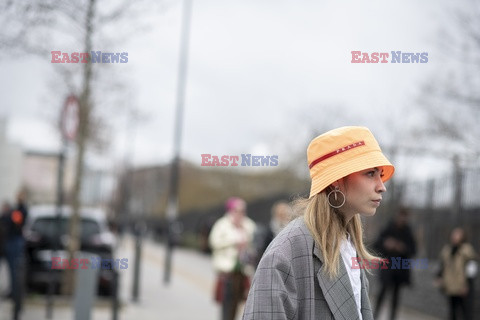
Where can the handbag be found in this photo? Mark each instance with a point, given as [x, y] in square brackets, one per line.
[219, 287]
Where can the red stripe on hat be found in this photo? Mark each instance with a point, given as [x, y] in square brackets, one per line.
[338, 151]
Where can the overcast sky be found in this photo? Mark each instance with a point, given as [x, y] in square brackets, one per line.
[263, 77]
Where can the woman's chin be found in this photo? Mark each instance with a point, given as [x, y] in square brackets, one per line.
[368, 213]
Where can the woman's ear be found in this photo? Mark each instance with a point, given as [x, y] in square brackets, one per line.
[340, 184]
[330, 188]
[335, 185]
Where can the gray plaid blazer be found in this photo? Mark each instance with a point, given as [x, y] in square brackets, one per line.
[289, 283]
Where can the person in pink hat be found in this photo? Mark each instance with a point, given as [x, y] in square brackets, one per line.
[230, 240]
[306, 272]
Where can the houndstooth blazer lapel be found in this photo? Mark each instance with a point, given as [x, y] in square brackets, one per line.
[367, 313]
[338, 292]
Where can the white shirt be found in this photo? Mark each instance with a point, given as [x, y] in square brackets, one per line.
[347, 251]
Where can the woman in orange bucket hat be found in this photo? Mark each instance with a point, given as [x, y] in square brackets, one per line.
[309, 270]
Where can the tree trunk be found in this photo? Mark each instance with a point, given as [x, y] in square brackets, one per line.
[83, 130]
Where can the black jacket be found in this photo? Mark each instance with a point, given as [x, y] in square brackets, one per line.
[403, 234]
[14, 220]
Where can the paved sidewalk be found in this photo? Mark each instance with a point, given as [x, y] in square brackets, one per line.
[188, 296]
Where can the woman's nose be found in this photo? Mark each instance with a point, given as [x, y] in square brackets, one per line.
[381, 186]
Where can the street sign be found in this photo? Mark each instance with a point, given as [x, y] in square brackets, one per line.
[70, 118]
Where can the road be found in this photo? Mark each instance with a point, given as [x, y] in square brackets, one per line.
[188, 296]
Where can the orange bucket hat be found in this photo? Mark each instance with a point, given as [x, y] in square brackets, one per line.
[343, 151]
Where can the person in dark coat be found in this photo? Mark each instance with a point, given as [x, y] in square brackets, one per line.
[395, 241]
[14, 221]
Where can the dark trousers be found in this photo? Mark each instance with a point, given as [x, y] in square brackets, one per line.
[395, 286]
[458, 305]
[470, 299]
[14, 253]
[233, 294]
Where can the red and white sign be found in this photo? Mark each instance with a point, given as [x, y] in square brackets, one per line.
[70, 118]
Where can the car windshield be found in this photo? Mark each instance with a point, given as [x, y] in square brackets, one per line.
[47, 227]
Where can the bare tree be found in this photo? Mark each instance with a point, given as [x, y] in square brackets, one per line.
[42, 26]
[450, 98]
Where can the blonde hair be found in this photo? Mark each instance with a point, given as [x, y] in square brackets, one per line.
[328, 228]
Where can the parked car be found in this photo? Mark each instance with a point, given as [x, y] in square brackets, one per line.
[47, 238]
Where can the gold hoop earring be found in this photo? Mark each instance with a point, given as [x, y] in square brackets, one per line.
[335, 192]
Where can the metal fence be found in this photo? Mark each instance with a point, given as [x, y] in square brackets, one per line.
[460, 190]
[438, 205]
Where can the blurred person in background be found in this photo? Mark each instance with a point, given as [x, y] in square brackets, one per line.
[395, 241]
[14, 221]
[230, 239]
[307, 272]
[452, 277]
[281, 215]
